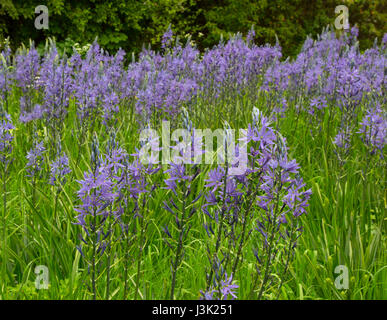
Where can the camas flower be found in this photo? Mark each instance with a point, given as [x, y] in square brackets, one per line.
[59, 169]
[35, 160]
[374, 130]
[167, 38]
[384, 40]
[6, 136]
[222, 291]
[317, 104]
[177, 175]
[342, 140]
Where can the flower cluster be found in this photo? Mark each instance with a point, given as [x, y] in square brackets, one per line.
[374, 130]
[182, 203]
[331, 83]
[59, 169]
[35, 157]
[6, 137]
[270, 192]
[6, 75]
[222, 289]
[97, 195]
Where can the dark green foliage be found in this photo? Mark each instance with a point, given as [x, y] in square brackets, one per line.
[291, 20]
[130, 24]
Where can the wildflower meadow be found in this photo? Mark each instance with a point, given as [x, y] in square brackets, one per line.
[219, 174]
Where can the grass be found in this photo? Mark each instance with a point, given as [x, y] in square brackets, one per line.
[345, 225]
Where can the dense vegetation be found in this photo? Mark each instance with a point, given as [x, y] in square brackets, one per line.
[131, 24]
[78, 199]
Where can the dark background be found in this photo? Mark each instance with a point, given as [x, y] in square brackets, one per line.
[131, 23]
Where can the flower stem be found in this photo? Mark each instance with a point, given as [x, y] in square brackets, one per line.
[179, 249]
[4, 264]
[140, 249]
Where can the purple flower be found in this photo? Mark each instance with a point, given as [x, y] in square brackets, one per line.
[355, 31]
[227, 288]
[384, 40]
[27, 68]
[35, 160]
[374, 130]
[6, 74]
[96, 190]
[36, 113]
[250, 36]
[207, 295]
[215, 178]
[167, 38]
[177, 175]
[317, 104]
[59, 169]
[271, 185]
[6, 137]
[224, 290]
[342, 140]
[290, 166]
[56, 77]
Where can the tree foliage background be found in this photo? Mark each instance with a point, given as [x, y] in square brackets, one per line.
[129, 24]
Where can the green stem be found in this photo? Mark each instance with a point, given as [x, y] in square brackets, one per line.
[270, 244]
[268, 261]
[239, 252]
[179, 251]
[56, 205]
[218, 240]
[140, 249]
[108, 273]
[93, 262]
[126, 266]
[287, 260]
[4, 265]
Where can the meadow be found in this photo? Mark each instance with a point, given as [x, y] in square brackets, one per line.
[78, 200]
